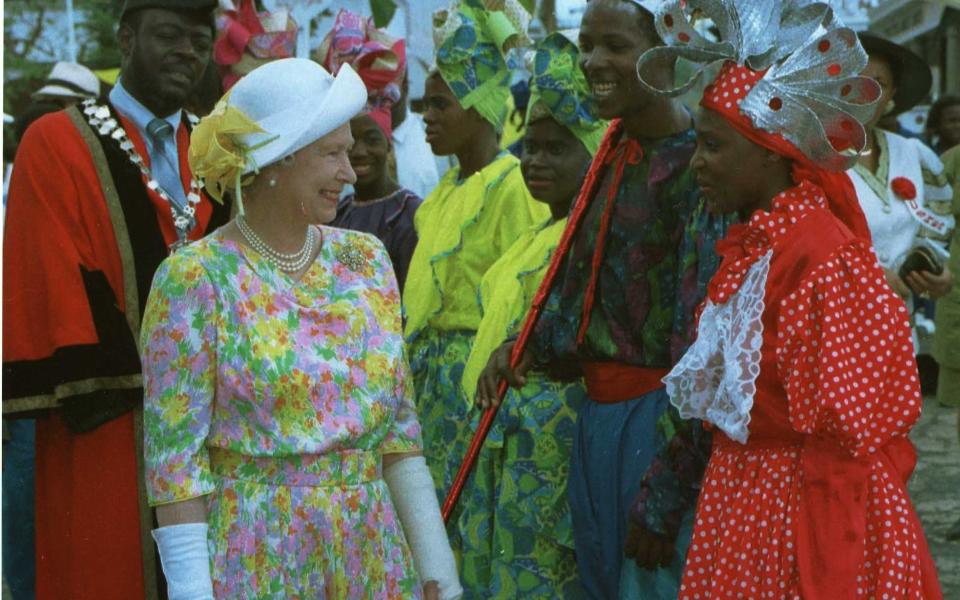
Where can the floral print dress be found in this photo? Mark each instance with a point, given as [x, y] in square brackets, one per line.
[277, 398]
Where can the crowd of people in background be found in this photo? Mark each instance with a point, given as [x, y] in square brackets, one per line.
[250, 328]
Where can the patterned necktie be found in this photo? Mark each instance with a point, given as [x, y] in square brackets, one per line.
[164, 165]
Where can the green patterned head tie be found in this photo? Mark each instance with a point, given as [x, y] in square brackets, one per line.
[472, 38]
[558, 89]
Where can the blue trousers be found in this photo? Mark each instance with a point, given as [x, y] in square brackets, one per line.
[19, 556]
[612, 448]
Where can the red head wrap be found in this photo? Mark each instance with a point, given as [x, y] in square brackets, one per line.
[379, 59]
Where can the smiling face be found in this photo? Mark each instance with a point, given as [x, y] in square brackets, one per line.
[314, 178]
[612, 38]
[734, 174]
[449, 127]
[553, 163]
[368, 157]
[165, 53]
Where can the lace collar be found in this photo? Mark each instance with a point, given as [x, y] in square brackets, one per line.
[746, 243]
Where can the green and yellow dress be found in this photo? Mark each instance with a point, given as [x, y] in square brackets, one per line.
[463, 228]
[515, 528]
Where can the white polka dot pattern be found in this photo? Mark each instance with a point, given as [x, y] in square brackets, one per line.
[840, 367]
[845, 354]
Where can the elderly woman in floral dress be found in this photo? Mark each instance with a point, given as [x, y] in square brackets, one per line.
[282, 446]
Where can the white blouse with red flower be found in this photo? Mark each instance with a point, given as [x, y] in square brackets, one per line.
[907, 201]
[805, 366]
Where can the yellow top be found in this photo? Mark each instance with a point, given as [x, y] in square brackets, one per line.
[506, 293]
[463, 228]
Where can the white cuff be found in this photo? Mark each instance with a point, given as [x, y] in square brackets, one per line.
[412, 491]
[185, 560]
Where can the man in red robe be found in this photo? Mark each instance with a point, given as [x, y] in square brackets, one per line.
[100, 194]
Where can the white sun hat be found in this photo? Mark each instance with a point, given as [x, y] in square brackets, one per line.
[70, 80]
[296, 102]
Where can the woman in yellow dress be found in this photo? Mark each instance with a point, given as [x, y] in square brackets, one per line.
[473, 216]
[516, 530]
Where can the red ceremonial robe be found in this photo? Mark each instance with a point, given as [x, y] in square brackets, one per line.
[83, 238]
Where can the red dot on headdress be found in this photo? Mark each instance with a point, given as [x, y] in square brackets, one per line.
[823, 46]
[776, 103]
[683, 37]
[834, 70]
[845, 90]
[668, 20]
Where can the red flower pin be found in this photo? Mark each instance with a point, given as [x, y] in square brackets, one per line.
[904, 188]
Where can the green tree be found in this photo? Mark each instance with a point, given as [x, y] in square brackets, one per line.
[35, 38]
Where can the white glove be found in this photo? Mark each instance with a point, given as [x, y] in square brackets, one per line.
[185, 560]
[411, 488]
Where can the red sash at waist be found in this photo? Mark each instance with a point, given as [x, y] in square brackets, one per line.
[612, 382]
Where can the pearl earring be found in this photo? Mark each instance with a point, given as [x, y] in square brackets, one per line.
[272, 182]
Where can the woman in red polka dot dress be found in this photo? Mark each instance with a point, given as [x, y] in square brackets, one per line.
[803, 362]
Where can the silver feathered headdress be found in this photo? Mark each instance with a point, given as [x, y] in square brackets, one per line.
[790, 67]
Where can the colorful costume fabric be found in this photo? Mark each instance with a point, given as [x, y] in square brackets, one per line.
[517, 536]
[471, 41]
[657, 256]
[559, 90]
[378, 58]
[463, 228]
[812, 467]
[516, 529]
[247, 39]
[278, 398]
[390, 219]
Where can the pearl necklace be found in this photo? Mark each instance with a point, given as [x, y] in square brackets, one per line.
[184, 218]
[288, 263]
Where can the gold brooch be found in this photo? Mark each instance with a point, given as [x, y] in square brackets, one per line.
[351, 257]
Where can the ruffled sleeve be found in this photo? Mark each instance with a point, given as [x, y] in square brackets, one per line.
[404, 433]
[845, 354]
[178, 341]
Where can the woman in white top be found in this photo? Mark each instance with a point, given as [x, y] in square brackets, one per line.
[899, 181]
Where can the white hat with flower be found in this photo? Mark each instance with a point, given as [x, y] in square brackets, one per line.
[275, 110]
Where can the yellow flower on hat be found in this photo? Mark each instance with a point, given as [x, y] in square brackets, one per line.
[216, 155]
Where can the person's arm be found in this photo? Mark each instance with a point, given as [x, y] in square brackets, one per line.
[844, 309]
[178, 340]
[413, 494]
[404, 468]
[668, 490]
